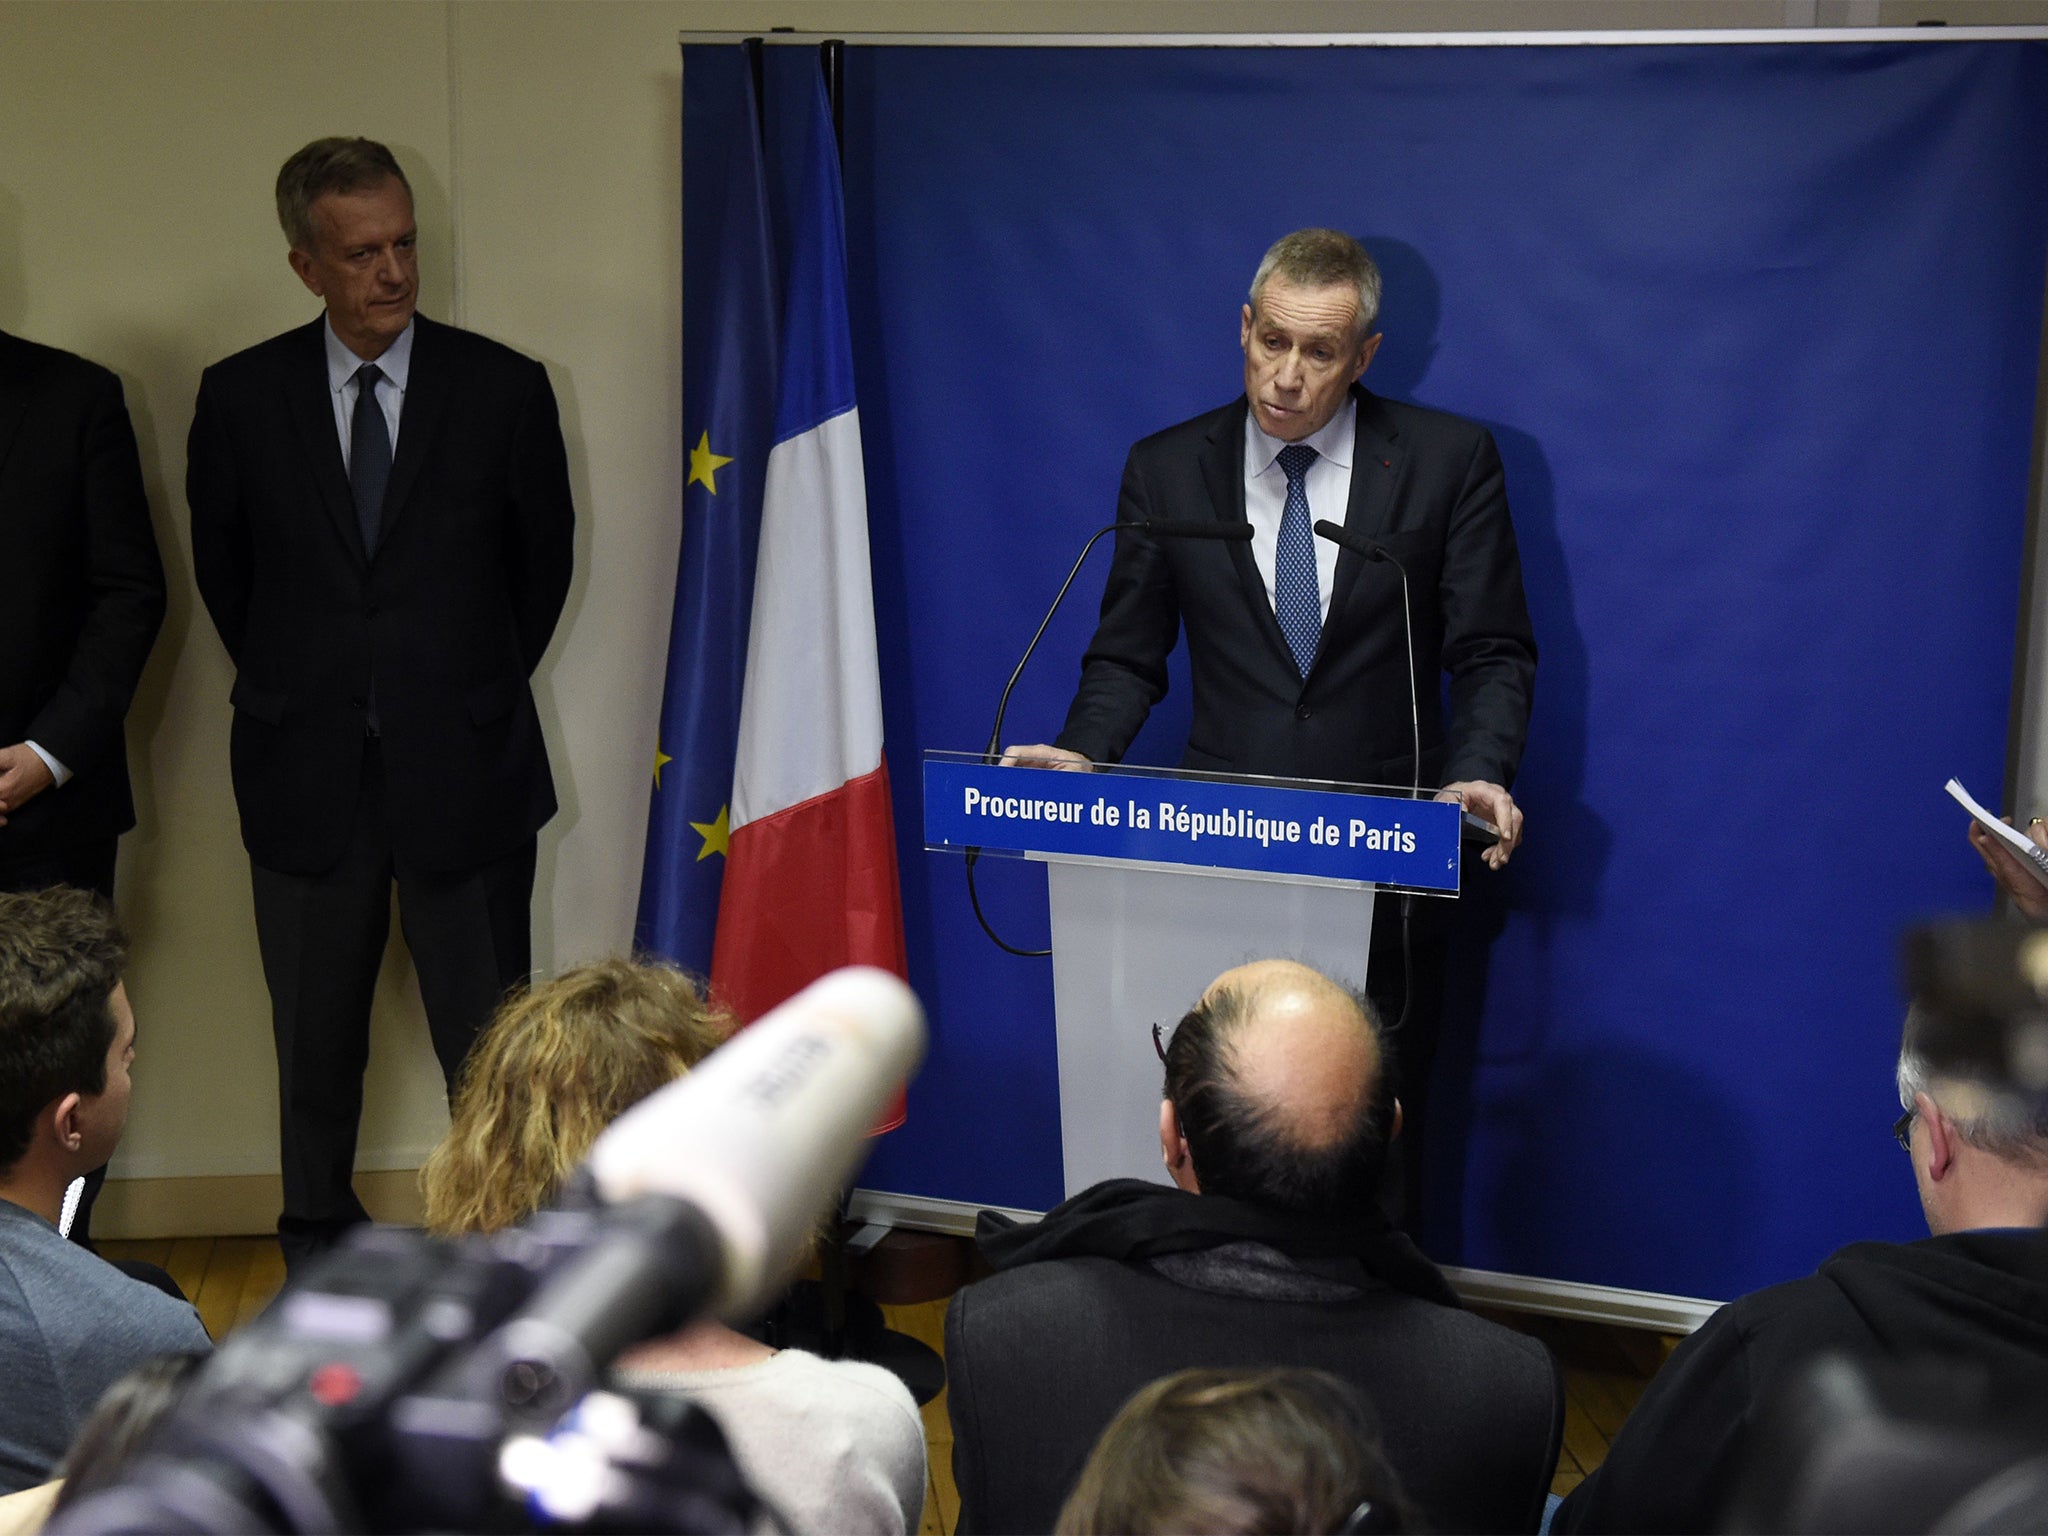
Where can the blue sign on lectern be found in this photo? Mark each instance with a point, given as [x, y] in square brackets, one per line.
[1269, 829]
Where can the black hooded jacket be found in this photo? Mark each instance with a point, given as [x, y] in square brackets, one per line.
[1971, 1298]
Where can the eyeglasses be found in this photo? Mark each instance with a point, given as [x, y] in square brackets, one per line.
[1902, 1129]
[1368, 1517]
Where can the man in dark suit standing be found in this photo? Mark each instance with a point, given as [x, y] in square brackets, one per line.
[382, 532]
[1299, 652]
[81, 600]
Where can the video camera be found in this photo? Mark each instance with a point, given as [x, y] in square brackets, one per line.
[406, 1383]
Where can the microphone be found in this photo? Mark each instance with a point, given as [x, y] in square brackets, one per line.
[397, 1385]
[1158, 527]
[1359, 544]
[762, 1135]
[1191, 528]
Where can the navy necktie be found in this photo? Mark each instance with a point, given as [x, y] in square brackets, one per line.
[369, 455]
[1295, 600]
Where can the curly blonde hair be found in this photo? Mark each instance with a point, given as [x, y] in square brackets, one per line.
[556, 1066]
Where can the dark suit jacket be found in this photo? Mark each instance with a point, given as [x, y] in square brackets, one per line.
[81, 590]
[449, 614]
[1040, 1358]
[1426, 486]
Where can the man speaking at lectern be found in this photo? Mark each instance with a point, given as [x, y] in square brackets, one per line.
[1298, 650]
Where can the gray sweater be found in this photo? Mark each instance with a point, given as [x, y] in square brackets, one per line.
[70, 1326]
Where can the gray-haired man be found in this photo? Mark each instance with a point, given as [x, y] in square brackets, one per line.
[382, 531]
[1973, 1292]
[1299, 653]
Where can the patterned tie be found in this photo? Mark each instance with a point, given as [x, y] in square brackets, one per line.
[369, 454]
[1295, 600]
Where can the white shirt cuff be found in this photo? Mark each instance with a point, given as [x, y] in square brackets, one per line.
[57, 770]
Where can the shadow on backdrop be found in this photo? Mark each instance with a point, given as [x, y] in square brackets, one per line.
[1558, 870]
[1578, 1136]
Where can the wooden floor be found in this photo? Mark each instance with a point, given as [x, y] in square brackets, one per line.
[231, 1279]
[1605, 1371]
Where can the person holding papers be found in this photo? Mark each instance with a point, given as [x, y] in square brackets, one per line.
[2020, 882]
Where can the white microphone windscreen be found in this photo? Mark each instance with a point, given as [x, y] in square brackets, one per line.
[762, 1135]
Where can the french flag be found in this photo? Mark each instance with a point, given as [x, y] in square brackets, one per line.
[810, 878]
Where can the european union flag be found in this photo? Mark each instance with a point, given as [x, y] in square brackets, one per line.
[729, 352]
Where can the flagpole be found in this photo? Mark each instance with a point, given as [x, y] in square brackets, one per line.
[752, 48]
[832, 59]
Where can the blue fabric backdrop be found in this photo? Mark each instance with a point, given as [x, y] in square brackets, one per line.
[1757, 329]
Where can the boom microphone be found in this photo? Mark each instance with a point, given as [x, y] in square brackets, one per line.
[762, 1135]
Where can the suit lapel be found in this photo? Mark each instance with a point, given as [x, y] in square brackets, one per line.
[1375, 467]
[426, 399]
[1223, 477]
[312, 414]
[13, 393]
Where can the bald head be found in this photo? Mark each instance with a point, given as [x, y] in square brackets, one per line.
[1304, 1056]
[1276, 1078]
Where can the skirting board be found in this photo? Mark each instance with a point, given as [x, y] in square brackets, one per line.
[248, 1204]
[1512, 1293]
[236, 1205]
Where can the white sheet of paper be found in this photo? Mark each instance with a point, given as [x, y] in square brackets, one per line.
[2012, 837]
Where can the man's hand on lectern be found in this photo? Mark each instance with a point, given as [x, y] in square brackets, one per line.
[1491, 803]
[1042, 756]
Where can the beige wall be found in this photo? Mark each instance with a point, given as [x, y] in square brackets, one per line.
[137, 146]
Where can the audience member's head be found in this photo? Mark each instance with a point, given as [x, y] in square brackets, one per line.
[66, 1037]
[1277, 1093]
[556, 1066]
[1239, 1452]
[1980, 1153]
[124, 1417]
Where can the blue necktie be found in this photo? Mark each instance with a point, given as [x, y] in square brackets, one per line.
[1295, 601]
[369, 455]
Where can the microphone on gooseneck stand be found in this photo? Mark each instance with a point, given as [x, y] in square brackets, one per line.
[1192, 528]
[1158, 527]
[1359, 544]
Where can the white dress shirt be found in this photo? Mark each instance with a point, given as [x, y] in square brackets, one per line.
[1328, 485]
[395, 365]
[58, 771]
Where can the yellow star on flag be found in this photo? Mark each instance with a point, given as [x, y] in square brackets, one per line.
[703, 463]
[717, 834]
[661, 761]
